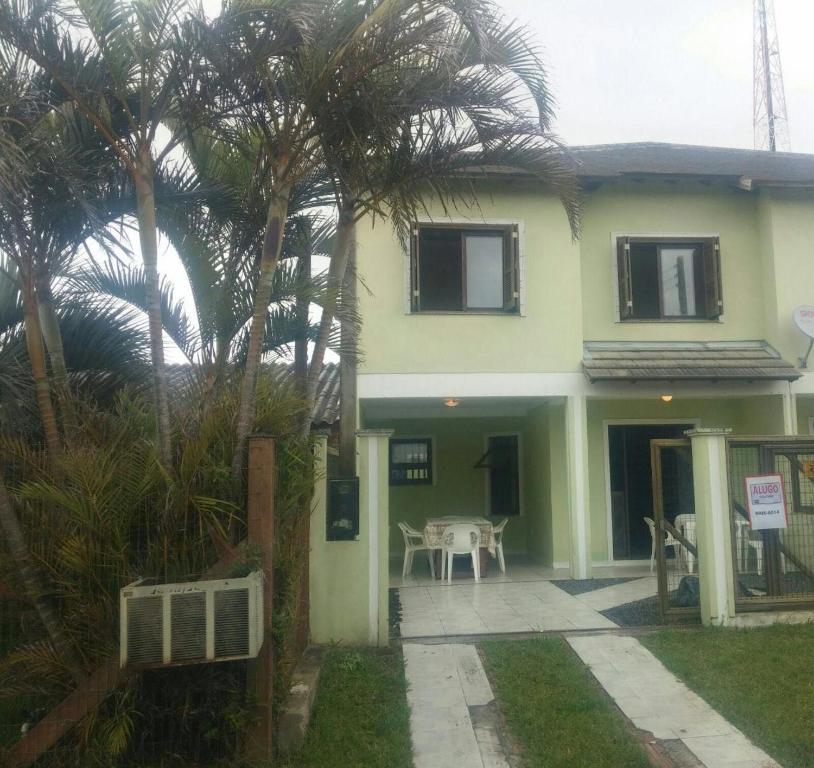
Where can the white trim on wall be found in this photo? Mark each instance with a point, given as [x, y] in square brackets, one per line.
[386, 386]
[606, 423]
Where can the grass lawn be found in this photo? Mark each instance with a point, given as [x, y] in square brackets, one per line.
[761, 680]
[554, 708]
[361, 718]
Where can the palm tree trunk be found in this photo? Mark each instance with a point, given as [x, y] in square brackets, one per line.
[272, 245]
[345, 230]
[347, 370]
[39, 372]
[49, 324]
[148, 239]
[31, 582]
[301, 311]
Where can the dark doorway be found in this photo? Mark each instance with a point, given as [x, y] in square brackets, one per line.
[631, 484]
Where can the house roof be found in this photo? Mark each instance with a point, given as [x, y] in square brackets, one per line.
[685, 361]
[326, 401]
[748, 167]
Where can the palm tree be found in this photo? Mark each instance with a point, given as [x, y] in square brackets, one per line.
[118, 63]
[451, 90]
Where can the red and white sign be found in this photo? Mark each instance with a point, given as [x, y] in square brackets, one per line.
[766, 502]
[804, 320]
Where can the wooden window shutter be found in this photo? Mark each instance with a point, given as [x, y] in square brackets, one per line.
[625, 285]
[415, 291]
[511, 269]
[713, 296]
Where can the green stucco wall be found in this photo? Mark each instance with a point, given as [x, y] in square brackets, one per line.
[568, 288]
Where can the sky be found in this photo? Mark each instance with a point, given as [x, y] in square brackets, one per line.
[667, 70]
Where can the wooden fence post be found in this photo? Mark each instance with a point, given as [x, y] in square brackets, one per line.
[260, 537]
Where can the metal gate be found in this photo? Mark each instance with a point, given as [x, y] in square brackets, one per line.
[673, 527]
[775, 567]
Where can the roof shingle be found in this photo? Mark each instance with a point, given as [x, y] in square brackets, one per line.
[685, 361]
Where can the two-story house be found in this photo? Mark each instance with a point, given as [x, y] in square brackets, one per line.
[524, 372]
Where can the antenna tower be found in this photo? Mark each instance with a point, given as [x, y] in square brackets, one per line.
[771, 122]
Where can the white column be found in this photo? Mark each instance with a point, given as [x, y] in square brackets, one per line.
[712, 525]
[374, 494]
[576, 438]
[789, 412]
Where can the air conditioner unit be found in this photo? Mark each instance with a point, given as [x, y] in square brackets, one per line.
[192, 622]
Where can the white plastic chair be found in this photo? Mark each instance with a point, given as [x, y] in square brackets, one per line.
[685, 524]
[460, 539]
[668, 541]
[497, 532]
[414, 541]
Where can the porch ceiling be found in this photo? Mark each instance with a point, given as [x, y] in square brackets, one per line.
[434, 408]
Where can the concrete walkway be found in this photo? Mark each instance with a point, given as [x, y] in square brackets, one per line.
[656, 701]
[453, 718]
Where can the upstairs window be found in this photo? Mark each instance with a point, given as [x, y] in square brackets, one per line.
[669, 279]
[457, 269]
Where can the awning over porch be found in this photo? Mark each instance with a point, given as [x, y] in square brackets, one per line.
[685, 361]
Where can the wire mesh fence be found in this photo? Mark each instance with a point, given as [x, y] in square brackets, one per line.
[773, 565]
[108, 519]
[673, 526]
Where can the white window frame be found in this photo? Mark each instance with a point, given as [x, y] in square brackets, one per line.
[614, 272]
[469, 224]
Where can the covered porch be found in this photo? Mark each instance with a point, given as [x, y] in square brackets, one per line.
[488, 460]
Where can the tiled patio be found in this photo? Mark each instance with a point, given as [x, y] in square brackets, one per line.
[524, 600]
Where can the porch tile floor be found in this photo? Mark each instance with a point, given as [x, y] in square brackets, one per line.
[658, 702]
[450, 705]
[493, 607]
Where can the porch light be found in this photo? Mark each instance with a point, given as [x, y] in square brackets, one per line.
[451, 402]
[667, 398]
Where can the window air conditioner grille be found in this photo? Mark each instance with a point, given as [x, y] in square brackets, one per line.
[192, 622]
[232, 622]
[188, 617]
[144, 630]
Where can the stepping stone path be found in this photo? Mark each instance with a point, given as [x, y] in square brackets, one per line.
[656, 701]
[453, 718]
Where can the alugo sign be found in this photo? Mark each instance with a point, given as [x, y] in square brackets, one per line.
[766, 502]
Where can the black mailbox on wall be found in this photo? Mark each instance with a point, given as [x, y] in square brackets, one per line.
[342, 519]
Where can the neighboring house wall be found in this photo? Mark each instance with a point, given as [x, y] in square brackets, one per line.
[679, 209]
[746, 416]
[788, 239]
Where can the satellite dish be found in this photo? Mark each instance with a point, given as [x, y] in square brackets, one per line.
[804, 320]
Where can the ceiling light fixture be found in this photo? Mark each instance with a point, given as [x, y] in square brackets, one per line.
[451, 402]
[667, 398]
